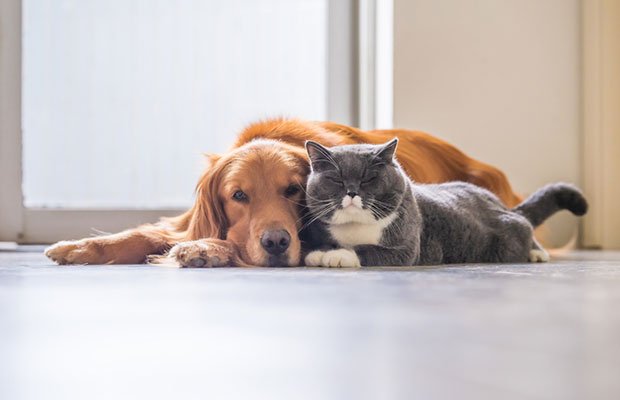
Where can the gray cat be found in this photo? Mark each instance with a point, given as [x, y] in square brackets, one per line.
[364, 210]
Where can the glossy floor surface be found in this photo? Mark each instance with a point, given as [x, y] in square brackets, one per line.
[537, 331]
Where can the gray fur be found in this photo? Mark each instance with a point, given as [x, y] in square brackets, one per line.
[453, 222]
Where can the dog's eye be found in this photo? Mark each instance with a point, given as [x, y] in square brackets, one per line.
[240, 196]
[291, 190]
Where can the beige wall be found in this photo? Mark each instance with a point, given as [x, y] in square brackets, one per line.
[499, 79]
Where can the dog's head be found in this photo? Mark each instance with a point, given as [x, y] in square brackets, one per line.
[253, 197]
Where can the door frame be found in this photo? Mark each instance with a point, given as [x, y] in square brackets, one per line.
[601, 122]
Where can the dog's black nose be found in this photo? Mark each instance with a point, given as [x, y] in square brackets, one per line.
[275, 241]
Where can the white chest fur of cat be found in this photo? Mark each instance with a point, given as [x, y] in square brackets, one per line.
[351, 226]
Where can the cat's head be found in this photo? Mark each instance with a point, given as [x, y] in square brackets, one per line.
[354, 183]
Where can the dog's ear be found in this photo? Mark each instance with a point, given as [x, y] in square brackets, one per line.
[208, 218]
[211, 159]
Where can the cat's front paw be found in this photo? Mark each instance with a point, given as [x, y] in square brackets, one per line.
[538, 255]
[333, 258]
[314, 258]
[340, 258]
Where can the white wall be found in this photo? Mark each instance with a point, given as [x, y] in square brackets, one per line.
[499, 79]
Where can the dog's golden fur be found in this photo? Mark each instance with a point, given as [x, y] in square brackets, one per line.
[267, 158]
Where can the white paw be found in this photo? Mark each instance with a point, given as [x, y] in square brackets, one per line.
[340, 258]
[313, 259]
[539, 255]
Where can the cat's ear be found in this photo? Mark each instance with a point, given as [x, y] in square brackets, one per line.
[386, 151]
[317, 153]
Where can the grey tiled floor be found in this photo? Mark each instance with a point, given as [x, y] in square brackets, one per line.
[544, 331]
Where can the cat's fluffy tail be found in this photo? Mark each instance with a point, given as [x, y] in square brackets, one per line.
[550, 199]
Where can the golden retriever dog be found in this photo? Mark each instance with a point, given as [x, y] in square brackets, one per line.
[249, 204]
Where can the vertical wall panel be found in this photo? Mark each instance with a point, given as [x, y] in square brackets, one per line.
[499, 79]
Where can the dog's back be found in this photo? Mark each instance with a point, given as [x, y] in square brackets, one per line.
[425, 158]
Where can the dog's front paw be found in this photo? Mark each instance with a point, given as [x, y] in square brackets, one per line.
[73, 252]
[333, 258]
[200, 254]
[538, 255]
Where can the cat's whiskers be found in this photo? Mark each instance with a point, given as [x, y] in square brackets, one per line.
[381, 204]
[393, 229]
[307, 213]
[296, 202]
[304, 215]
[320, 214]
[314, 198]
[376, 209]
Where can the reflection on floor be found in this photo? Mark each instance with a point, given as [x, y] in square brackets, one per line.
[544, 331]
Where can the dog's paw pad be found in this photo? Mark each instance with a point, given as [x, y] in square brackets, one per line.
[538, 255]
[199, 254]
[197, 262]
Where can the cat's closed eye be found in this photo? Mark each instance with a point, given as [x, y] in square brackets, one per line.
[334, 180]
[369, 179]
